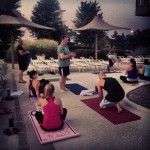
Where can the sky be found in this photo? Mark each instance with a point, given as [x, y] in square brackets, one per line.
[115, 12]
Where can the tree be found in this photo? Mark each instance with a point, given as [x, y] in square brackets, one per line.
[118, 41]
[5, 36]
[48, 13]
[85, 13]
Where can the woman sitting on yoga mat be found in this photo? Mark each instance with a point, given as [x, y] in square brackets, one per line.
[115, 92]
[54, 113]
[34, 86]
[131, 72]
[145, 74]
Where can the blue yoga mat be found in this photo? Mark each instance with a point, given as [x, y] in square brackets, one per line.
[75, 88]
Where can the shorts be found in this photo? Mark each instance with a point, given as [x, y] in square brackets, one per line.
[111, 63]
[104, 103]
[64, 71]
[22, 66]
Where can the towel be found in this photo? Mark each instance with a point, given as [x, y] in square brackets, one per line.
[87, 92]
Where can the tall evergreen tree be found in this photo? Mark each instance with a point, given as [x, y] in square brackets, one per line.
[85, 13]
[48, 13]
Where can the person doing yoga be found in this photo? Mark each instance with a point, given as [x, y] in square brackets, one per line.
[115, 92]
[53, 112]
[131, 72]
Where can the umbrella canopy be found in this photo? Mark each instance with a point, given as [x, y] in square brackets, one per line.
[98, 24]
[18, 21]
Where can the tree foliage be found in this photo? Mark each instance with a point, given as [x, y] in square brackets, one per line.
[48, 13]
[137, 39]
[5, 37]
[84, 14]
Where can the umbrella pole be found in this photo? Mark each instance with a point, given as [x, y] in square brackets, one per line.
[96, 47]
[12, 49]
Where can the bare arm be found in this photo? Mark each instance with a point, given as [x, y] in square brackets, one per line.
[21, 52]
[127, 70]
[36, 87]
[70, 55]
[58, 102]
[27, 86]
[143, 69]
[100, 91]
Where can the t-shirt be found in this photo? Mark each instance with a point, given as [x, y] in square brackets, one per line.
[147, 71]
[20, 57]
[115, 92]
[63, 50]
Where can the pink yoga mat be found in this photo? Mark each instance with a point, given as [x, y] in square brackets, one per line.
[51, 136]
[111, 113]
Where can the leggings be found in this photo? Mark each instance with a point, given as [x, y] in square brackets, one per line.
[124, 79]
[141, 76]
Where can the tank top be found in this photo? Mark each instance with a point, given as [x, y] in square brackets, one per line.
[32, 89]
[147, 71]
[115, 92]
[132, 74]
[52, 118]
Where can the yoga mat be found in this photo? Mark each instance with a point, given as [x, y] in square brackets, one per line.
[75, 88]
[108, 72]
[51, 136]
[111, 113]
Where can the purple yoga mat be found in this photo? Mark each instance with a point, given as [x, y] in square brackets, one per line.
[111, 113]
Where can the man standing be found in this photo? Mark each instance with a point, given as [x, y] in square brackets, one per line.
[21, 60]
[64, 56]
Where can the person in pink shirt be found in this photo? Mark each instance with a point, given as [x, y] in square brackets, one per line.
[53, 112]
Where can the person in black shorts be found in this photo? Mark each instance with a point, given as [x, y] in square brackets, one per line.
[115, 92]
[64, 56]
[21, 53]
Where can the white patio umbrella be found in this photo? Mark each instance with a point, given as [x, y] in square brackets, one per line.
[18, 21]
[98, 24]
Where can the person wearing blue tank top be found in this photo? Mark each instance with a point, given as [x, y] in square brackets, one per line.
[145, 73]
[115, 92]
[131, 73]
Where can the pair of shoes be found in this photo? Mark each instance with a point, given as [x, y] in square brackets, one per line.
[22, 82]
[9, 98]
[9, 132]
[5, 111]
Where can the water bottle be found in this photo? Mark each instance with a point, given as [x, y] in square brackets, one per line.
[8, 92]
[11, 120]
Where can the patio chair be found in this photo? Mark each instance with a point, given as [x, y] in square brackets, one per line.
[39, 65]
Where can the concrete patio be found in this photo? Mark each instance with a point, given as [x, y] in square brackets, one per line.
[96, 132]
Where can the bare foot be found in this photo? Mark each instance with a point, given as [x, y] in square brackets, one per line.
[67, 89]
[118, 107]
